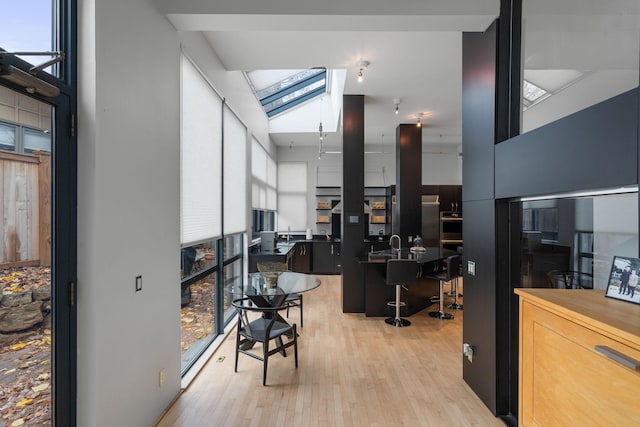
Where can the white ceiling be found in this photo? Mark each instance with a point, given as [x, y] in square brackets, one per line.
[415, 55]
[414, 47]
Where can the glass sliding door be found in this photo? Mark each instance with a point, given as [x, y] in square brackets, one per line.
[38, 255]
[25, 263]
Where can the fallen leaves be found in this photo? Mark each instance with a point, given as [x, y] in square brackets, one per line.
[24, 402]
[197, 317]
[25, 365]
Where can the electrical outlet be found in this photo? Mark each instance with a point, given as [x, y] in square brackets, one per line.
[162, 377]
[467, 350]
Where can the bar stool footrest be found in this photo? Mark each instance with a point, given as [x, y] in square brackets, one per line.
[455, 306]
[441, 315]
[398, 322]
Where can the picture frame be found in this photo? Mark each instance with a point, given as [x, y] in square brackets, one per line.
[624, 279]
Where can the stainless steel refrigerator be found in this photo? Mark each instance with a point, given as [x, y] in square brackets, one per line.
[431, 220]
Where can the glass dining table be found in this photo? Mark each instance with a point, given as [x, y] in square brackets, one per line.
[270, 289]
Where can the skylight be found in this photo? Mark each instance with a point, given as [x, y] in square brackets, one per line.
[532, 93]
[539, 85]
[292, 91]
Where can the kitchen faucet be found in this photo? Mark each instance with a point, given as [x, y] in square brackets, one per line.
[395, 237]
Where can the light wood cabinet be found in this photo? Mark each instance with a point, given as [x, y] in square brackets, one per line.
[579, 360]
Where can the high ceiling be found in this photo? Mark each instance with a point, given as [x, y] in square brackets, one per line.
[414, 49]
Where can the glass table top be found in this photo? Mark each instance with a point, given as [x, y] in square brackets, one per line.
[273, 283]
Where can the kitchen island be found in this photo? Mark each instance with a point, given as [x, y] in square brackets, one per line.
[417, 296]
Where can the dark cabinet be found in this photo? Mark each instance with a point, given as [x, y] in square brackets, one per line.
[450, 198]
[301, 257]
[326, 257]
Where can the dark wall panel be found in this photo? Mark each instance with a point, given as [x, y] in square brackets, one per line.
[593, 148]
[408, 181]
[478, 113]
[352, 203]
[478, 143]
[479, 326]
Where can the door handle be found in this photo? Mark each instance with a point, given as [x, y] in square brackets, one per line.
[621, 358]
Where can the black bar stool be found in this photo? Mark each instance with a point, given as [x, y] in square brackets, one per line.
[400, 272]
[452, 271]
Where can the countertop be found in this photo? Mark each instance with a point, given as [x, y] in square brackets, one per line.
[432, 254]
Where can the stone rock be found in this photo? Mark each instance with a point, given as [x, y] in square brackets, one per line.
[46, 307]
[8, 339]
[5, 340]
[47, 321]
[14, 300]
[19, 318]
[42, 293]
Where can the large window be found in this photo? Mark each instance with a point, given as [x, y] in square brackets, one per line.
[263, 189]
[235, 174]
[201, 159]
[25, 124]
[214, 206]
[38, 346]
[292, 196]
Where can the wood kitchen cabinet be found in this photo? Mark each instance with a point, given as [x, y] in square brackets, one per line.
[579, 360]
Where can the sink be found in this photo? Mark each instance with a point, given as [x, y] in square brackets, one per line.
[385, 254]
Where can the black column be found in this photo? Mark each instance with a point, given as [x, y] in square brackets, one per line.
[408, 208]
[352, 203]
[478, 138]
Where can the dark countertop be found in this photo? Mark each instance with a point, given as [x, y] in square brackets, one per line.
[284, 247]
[432, 254]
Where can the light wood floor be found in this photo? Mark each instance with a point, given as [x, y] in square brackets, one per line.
[353, 371]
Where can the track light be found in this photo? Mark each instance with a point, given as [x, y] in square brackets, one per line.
[362, 65]
[320, 141]
[419, 123]
[396, 102]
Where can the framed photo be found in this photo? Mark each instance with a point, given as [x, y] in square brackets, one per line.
[624, 283]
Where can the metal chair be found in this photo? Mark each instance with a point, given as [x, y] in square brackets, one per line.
[400, 273]
[264, 329]
[295, 300]
[451, 271]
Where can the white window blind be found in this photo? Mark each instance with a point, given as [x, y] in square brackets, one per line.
[235, 174]
[200, 160]
[264, 178]
[272, 186]
[292, 196]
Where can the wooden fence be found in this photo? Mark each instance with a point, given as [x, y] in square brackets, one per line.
[25, 205]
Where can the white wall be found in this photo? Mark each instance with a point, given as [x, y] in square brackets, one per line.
[441, 165]
[128, 205]
[128, 213]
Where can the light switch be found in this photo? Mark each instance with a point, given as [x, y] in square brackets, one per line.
[471, 268]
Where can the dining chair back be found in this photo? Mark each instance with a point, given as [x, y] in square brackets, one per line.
[263, 325]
